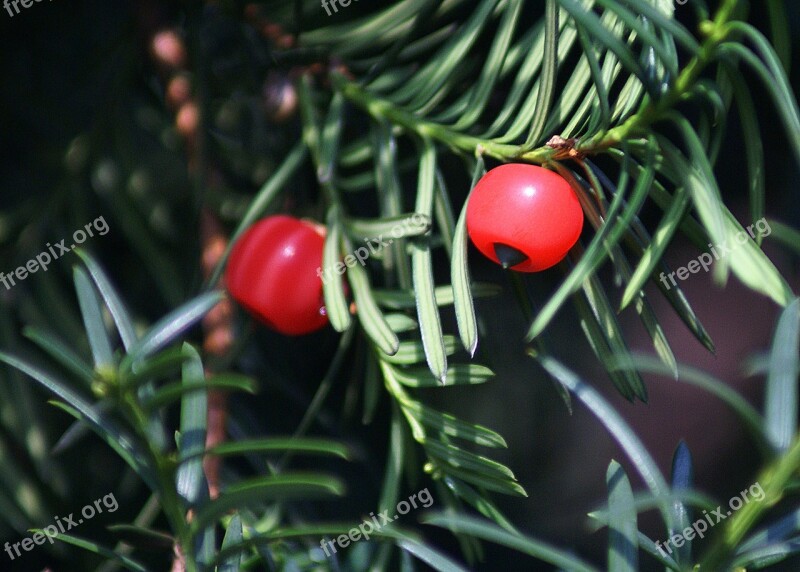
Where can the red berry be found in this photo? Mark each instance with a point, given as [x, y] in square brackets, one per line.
[524, 217]
[273, 272]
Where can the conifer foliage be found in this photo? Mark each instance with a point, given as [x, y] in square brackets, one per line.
[376, 119]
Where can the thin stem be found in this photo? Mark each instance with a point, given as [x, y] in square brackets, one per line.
[165, 479]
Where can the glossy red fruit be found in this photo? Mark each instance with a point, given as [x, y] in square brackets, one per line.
[524, 217]
[273, 271]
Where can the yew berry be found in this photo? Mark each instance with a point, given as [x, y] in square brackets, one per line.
[524, 217]
[273, 272]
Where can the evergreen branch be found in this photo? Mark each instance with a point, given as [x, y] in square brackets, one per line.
[775, 479]
[716, 32]
[383, 110]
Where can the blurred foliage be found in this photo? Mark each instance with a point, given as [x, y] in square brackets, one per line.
[379, 113]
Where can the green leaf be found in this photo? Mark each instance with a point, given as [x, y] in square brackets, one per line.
[499, 485]
[599, 181]
[333, 289]
[274, 445]
[92, 313]
[111, 298]
[144, 538]
[775, 531]
[413, 352]
[454, 427]
[205, 543]
[391, 198]
[396, 450]
[780, 402]
[769, 68]
[655, 250]
[168, 328]
[403, 44]
[611, 340]
[650, 547]
[310, 118]
[768, 555]
[314, 532]
[547, 82]
[779, 32]
[481, 502]
[107, 553]
[401, 323]
[747, 260]
[680, 304]
[329, 141]
[457, 374]
[645, 33]
[373, 388]
[77, 406]
[428, 313]
[532, 46]
[433, 76]
[459, 273]
[79, 428]
[165, 363]
[422, 270]
[754, 148]
[785, 235]
[605, 239]
[700, 181]
[400, 226]
[599, 79]
[597, 341]
[190, 479]
[644, 502]
[443, 213]
[61, 352]
[592, 23]
[623, 555]
[233, 536]
[486, 82]
[369, 314]
[179, 390]
[682, 477]
[467, 461]
[376, 30]
[405, 299]
[491, 532]
[278, 487]
[752, 266]
[429, 556]
[661, 13]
